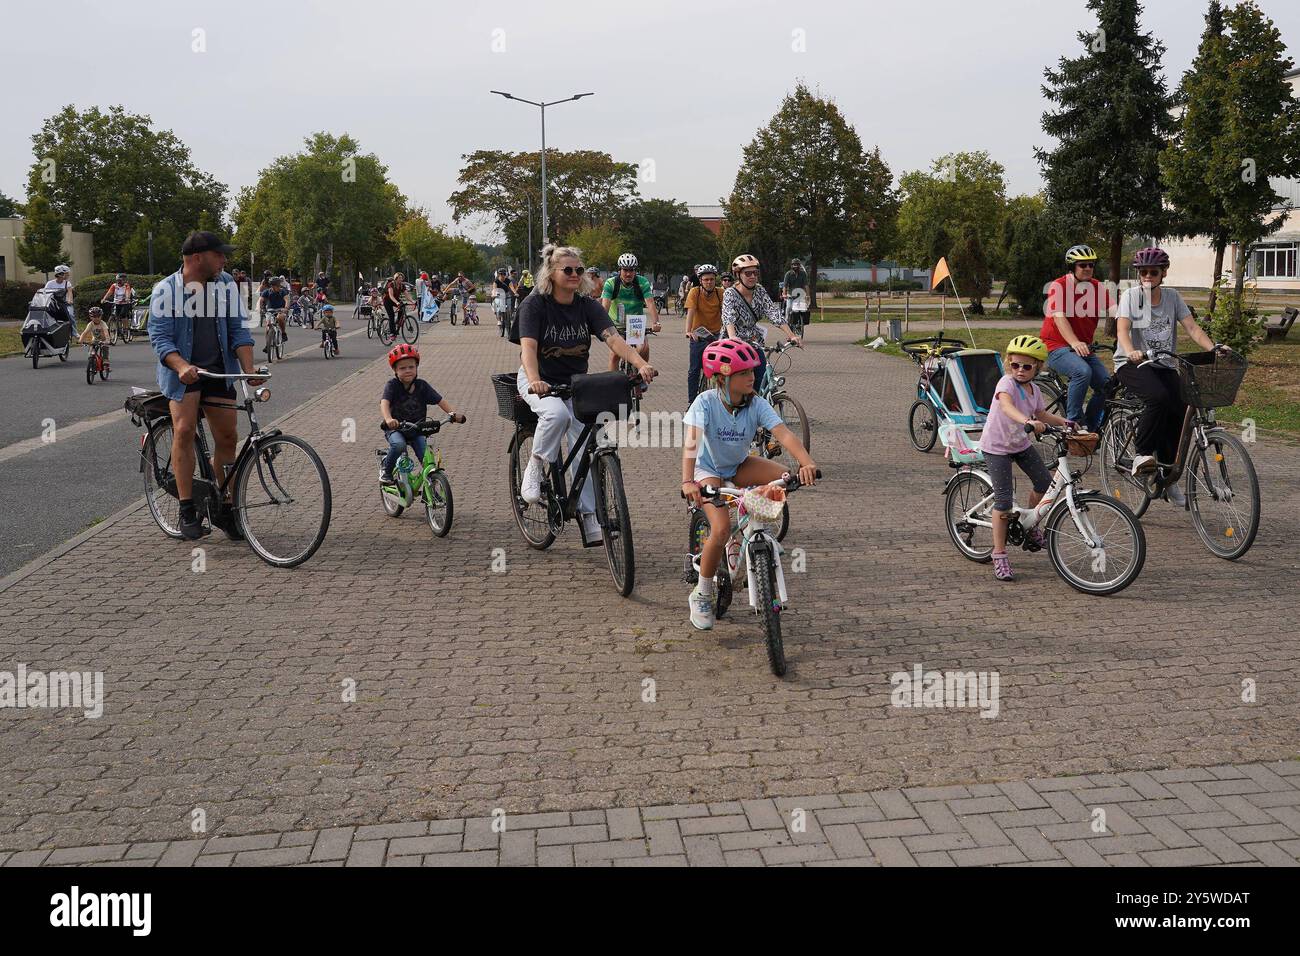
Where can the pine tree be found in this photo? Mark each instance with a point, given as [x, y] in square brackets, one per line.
[1111, 124]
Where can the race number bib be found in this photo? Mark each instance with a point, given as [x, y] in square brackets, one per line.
[635, 329]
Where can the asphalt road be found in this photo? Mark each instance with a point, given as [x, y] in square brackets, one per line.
[52, 491]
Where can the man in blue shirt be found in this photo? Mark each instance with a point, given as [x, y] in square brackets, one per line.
[197, 320]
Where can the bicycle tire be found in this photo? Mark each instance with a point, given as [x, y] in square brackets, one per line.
[392, 507]
[159, 481]
[261, 464]
[800, 426]
[616, 525]
[722, 578]
[1116, 476]
[269, 348]
[1087, 503]
[370, 327]
[410, 330]
[964, 492]
[104, 369]
[90, 369]
[387, 335]
[279, 347]
[533, 520]
[922, 425]
[437, 504]
[112, 334]
[1242, 541]
[765, 588]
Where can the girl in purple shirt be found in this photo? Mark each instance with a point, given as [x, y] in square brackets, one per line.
[1016, 401]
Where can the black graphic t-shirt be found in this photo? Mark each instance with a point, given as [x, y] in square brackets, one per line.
[412, 405]
[563, 334]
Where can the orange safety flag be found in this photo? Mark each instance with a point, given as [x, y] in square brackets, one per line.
[940, 272]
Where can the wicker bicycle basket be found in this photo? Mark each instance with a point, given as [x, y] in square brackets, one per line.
[1210, 380]
[1082, 444]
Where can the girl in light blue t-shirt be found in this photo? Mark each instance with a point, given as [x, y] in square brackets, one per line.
[720, 424]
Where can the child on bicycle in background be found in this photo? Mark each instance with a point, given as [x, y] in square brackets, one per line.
[407, 399]
[720, 425]
[329, 327]
[1016, 402]
[96, 329]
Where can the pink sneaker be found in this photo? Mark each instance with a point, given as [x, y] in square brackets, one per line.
[1002, 568]
[1036, 538]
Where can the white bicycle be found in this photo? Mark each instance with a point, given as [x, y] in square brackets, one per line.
[754, 551]
[1096, 544]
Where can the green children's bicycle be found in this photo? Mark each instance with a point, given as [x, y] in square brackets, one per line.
[429, 482]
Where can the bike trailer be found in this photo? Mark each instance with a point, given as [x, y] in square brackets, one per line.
[42, 323]
[965, 387]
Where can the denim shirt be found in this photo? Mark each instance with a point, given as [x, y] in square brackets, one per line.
[171, 330]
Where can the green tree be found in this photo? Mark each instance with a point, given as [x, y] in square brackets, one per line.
[601, 245]
[665, 237]
[102, 170]
[1186, 164]
[807, 186]
[583, 188]
[1111, 124]
[954, 210]
[1031, 244]
[1259, 142]
[167, 240]
[425, 246]
[7, 206]
[41, 246]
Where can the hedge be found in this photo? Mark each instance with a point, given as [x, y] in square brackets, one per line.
[91, 289]
[15, 296]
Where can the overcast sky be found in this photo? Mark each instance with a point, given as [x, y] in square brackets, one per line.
[683, 83]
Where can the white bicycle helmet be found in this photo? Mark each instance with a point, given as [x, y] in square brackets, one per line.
[627, 261]
[61, 270]
[706, 269]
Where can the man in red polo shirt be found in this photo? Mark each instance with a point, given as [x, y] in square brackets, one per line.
[1075, 303]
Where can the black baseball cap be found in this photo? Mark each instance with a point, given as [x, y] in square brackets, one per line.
[204, 241]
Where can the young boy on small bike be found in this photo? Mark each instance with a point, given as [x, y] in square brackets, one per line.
[96, 329]
[329, 327]
[720, 425]
[1017, 401]
[407, 399]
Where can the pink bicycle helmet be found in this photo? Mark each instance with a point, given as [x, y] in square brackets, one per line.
[1151, 256]
[729, 356]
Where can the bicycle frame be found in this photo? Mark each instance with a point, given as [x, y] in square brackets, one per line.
[583, 446]
[756, 538]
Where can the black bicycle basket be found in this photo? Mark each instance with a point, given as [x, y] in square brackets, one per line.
[510, 404]
[1210, 380]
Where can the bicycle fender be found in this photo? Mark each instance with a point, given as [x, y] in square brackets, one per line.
[957, 474]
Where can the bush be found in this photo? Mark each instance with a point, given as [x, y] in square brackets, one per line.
[14, 297]
[1235, 319]
[91, 289]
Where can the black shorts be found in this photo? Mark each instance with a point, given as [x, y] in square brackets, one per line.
[120, 309]
[213, 387]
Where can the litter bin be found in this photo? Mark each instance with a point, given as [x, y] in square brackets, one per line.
[896, 330]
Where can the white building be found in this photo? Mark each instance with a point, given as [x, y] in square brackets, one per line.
[1272, 263]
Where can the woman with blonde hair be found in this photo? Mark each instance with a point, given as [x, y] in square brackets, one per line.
[555, 329]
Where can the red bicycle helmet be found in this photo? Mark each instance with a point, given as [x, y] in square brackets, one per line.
[729, 356]
[403, 351]
[1151, 256]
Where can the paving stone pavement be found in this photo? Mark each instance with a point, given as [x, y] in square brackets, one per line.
[524, 690]
[1237, 815]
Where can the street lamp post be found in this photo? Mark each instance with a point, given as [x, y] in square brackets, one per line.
[546, 224]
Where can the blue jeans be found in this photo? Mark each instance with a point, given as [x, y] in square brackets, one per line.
[397, 447]
[1082, 373]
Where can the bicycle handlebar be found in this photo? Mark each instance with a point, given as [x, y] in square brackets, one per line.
[430, 426]
[261, 372]
[783, 347]
[790, 482]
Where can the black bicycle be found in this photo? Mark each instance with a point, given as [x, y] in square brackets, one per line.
[276, 495]
[1222, 488]
[402, 322]
[541, 523]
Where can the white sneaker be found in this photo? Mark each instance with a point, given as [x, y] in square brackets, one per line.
[531, 487]
[591, 532]
[1144, 463]
[1176, 497]
[702, 610]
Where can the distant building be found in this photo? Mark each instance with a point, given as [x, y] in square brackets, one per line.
[1272, 262]
[711, 216]
[859, 270]
[81, 245]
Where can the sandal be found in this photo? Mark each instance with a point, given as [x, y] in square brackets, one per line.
[1002, 568]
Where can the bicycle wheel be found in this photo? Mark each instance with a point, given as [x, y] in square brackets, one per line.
[370, 327]
[410, 330]
[722, 578]
[796, 419]
[615, 522]
[127, 334]
[1117, 479]
[279, 346]
[104, 369]
[1108, 568]
[159, 481]
[968, 490]
[768, 610]
[1223, 495]
[437, 503]
[282, 498]
[533, 520]
[112, 334]
[390, 496]
[269, 348]
[922, 425]
[90, 369]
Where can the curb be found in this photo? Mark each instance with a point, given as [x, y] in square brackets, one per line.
[36, 564]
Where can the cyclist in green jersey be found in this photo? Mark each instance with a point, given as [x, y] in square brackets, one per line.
[633, 293]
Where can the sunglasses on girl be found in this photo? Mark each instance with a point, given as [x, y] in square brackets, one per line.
[1149, 272]
[572, 270]
[1016, 366]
